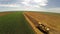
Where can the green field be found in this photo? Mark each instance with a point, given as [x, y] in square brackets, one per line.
[14, 23]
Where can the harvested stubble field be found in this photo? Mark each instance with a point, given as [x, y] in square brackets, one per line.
[52, 20]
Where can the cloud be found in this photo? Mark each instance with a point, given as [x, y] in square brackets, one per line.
[55, 10]
[7, 1]
[35, 3]
[9, 5]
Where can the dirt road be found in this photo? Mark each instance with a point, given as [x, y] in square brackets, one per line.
[51, 21]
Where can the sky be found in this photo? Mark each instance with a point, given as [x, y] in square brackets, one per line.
[32, 5]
